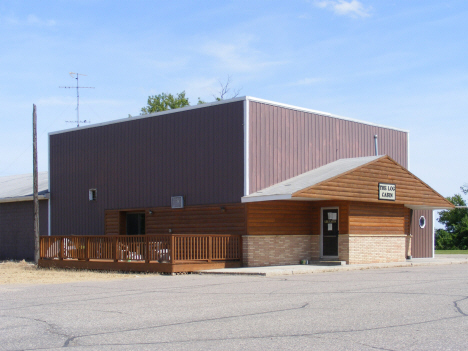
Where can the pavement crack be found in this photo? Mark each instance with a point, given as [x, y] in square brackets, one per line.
[186, 322]
[455, 303]
[51, 328]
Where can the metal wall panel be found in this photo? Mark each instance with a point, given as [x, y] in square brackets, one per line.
[143, 162]
[421, 242]
[286, 142]
[17, 229]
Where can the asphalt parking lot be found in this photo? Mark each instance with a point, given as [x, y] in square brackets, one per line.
[404, 308]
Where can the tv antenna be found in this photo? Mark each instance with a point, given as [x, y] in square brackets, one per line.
[72, 74]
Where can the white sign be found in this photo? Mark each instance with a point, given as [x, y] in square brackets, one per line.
[387, 191]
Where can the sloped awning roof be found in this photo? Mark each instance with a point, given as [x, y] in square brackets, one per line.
[355, 179]
[20, 187]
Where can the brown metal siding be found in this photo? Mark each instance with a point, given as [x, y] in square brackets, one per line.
[17, 229]
[421, 242]
[143, 162]
[285, 143]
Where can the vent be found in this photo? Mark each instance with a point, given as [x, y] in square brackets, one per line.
[177, 202]
[92, 194]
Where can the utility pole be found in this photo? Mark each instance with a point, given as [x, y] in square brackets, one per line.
[35, 189]
[72, 74]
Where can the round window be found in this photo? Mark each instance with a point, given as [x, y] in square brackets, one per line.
[422, 222]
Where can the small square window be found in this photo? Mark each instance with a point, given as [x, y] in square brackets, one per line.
[92, 194]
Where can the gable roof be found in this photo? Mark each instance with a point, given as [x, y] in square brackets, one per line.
[20, 187]
[355, 179]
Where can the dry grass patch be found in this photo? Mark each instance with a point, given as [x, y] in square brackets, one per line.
[27, 273]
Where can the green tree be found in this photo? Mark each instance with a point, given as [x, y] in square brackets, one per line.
[455, 234]
[164, 102]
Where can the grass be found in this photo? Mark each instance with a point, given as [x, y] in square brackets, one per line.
[451, 252]
[27, 273]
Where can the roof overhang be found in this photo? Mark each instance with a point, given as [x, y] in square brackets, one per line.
[24, 198]
[355, 179]
[247, 199]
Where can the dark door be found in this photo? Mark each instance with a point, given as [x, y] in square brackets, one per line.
[330, 233]
[135, 223]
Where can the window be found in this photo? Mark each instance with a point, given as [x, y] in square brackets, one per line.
[135, 223]
[92, 194]
[422, 222]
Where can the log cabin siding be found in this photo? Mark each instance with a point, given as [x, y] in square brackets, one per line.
[362, 184]
[365, 218]
[211, 219]
[142, 162]
[292, 217]
[285, 142]
[112, 226]
[279, 218]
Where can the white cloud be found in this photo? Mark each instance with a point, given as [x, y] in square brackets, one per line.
[31, 20]
[352, 8]
[306, 81]
[237, 56]
[34, 20]
[57, 101]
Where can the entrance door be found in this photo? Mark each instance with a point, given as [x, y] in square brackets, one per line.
[330, 232]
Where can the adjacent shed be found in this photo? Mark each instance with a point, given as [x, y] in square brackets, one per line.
[17, 215]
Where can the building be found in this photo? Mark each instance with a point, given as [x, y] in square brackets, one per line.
[294, 183]
[17, 215]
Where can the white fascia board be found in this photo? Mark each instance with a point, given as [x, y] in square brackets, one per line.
[23, 198]
[246, 148]
[433, 235]
[423, 207]
[48, 204]
[407, 148]
[133, 118]
[214, 103]
[265, 198]
[276, 197]
[326, 114]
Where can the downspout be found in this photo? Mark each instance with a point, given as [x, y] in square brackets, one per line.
[409, 253]
[376, 146]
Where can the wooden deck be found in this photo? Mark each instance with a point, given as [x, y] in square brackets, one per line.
[142, 253]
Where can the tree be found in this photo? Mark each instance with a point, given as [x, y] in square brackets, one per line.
[455, 234]
[224, 90]
[164, 102]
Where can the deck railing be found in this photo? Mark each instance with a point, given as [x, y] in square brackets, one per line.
[172, 249]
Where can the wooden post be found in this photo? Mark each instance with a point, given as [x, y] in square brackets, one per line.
[87, 249]
[172, 250]
[35, 189]
[210, 248]
[116, 248]
[61, 249]
[240, 249]
[147, 251]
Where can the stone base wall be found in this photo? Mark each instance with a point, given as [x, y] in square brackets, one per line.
[276, 250]
[371, 248]
[343, 248]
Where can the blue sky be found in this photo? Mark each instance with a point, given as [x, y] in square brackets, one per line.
[397, 63]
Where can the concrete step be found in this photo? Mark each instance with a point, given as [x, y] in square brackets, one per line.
[327, 263]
